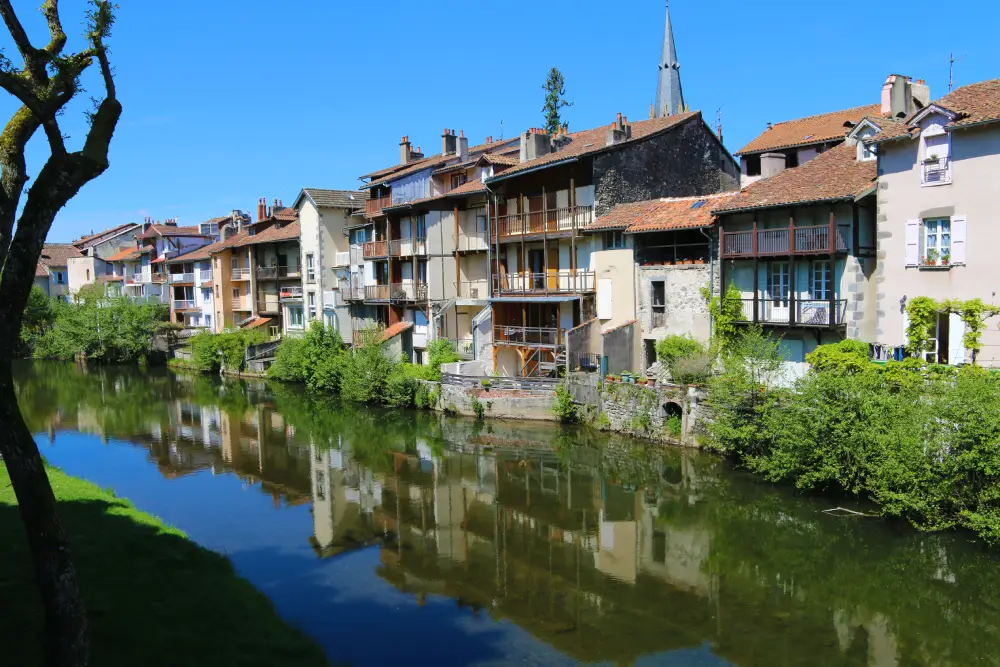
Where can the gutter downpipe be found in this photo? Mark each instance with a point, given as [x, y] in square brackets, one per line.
[711, 280]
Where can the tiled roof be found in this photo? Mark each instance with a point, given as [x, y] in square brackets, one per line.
[395, 330]
[171, 230]
[889, 129]
[662, 214]
[257, 323]
[834, 175]
[55, 255]
[438, 160]
[285, 214]
[468, 188]
[505, 159]
[85, 242]
[594, 140]
[199, 254]
[270, 235]
[974, 104]
[124, 255]
[349, 199]
[809, 130]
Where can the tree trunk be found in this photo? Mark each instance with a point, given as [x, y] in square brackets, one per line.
[66, 643]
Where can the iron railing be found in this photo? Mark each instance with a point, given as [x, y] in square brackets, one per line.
[794, 312]
[531, 336]
[182, 277]
[240, 274]
[408, 291]
[549, 282]
[184, 304]
[937, 171]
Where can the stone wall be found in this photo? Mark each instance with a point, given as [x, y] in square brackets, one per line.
[497, 403]
[685, 161]
[686, 310]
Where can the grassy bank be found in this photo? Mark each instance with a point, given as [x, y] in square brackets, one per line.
[153, 596]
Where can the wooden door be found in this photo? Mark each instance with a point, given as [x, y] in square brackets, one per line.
[535, 271]
[552, 269]
[536, 215]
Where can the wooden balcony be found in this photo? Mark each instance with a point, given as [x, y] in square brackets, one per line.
[407, 247]
[519, 336]
[377, 292]
[550, 282]
[781, 241]
[550, 222]
[373, 207]
[408, 291]
[240, 304]
[795, 312]
[375, 250]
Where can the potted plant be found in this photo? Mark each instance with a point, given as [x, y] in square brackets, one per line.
[485, 382]
[611, 378]
[932, 258]
[699, 261]
[931, 159]
[641, 381]
[945, 259]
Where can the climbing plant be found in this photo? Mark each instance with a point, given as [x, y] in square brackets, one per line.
[923, 312]
[726, 313]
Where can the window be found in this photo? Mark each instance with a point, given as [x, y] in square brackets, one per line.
[821, 280]
[88, 275]
[60, 278]
[937, 242]
[295, 317]
[457, 180]
[310, 268]
[234, 262]
[659, 303]
[936, 163]
[422, 227]
[208, 321]
[614, 239]
[236, 294]
[312, 305]
[778, 283]
[218, 292]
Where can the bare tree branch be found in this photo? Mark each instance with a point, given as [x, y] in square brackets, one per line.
[34, 67]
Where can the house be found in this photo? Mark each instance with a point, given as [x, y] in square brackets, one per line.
[937, 215]
[257, 272]
[92, 265]
[544, 281]
[52, 272]
[800, 248]
[404, 257]
[326, 218]
[655, 264]
[191, 291]
[789, 144]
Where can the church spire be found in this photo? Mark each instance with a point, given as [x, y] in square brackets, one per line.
[669, 97]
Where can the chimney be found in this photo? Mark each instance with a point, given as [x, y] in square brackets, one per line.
[404, 150]
[417, 154]
[771, 164]
[449, 143]
[261, 208]
[902, 97]
[920, 95]
[489, 139]
[619, 131]
[463, 146]
[769, 125]
[534, 143]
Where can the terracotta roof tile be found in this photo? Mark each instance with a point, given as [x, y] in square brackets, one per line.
[662, 214]
[832, 176]
[506, 159]
[591, 141]
[125, 254]
[396, 329]
[93, 239]
[809, 130]
[257, 323]
[349, 199]
[199, 254]
[437, 161]
[270, 235]
[974, 104]
[171, 230]
[889, 129]
[55, 255]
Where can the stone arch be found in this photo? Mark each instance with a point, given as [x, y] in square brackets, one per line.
[672, 409]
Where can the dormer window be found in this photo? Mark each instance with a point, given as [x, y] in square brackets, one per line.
[865, 153]
[935, 156]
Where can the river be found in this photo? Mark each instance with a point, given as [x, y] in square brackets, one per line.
[398, 537]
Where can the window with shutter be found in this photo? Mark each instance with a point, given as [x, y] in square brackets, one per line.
[912, 242]
[959, 231]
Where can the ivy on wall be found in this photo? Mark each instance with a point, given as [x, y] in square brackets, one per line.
[923, 312]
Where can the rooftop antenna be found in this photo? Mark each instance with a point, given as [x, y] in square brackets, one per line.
[951, 70]
[501, 129]
[718, 121]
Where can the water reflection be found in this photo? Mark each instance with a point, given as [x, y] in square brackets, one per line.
[599, 547]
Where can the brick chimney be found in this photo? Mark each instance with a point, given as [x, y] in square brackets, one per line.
[535, 143]
[449, 142]
[462, 146]
[261, 208]
[619, 131]
[405, 151]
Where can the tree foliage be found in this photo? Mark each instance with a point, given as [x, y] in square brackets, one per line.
[555, 101]
[39, 316]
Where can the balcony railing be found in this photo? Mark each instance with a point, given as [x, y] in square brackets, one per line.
[240, 274]
[375, 249]
[291, 292]
[550, 282]
[814, 240]
[464, 348]
[407, 247]
[240, 303]
[276, 272]
[205, 275]
[182, 277]
[795, 312]
[342, 259]
[161, 277]
[937, 171]
[530, 336]
[472, 241]
[357, 256]
[473, 289]
[373, 207]
[269, 304]
[549, 221]
[185, 304]
[377, 292]
[408, 291]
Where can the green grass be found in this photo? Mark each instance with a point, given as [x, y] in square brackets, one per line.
[153, 596]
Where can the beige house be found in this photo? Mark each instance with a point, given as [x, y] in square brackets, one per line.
[937, 214]
[52, 272]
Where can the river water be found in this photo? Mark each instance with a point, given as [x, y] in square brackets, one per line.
[407, 538]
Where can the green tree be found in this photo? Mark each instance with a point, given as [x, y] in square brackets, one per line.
[39, 316]
[43, 84]
[555, 91]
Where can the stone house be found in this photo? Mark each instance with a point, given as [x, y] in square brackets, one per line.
[937, 215]
[52, 271]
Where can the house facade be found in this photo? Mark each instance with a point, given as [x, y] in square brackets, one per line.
[191, 292]
[52, 270]
[937, 215]
[544, 280]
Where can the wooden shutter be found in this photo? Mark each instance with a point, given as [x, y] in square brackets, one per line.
[956, 339]
[958, 245]
[912, 242]
[604, 299]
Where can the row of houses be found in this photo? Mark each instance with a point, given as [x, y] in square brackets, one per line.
[583, 249]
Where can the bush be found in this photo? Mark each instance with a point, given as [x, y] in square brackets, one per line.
[212, 352]
[847, 356]
[440, 351]
[39, 316]
[674, 347]
[674, 426]
[695, 369]
[290, 363]
[564, 407]
[478, 408]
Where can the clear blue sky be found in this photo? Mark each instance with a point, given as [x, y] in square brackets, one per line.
[230, 100]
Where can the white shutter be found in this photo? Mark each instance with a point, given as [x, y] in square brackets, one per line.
[912, 242]
[958, 231]
[604, 303]
[906, 325]
[956, 340]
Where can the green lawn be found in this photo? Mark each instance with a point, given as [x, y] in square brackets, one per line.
[153, 596]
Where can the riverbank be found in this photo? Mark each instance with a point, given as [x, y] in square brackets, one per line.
[153, 596]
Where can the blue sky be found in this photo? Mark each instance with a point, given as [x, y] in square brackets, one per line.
[230, 100]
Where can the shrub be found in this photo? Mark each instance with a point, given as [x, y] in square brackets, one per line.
[603, 422]
[440, 351]
[674, 347]
[564, 407]
[846, 356]
[674, 426]
[695, 369]
[640, 422]
[290, 363]
[478, 408]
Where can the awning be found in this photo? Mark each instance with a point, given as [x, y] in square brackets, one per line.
[535, 299]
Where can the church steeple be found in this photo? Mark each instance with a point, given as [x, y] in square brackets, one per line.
[669, 97]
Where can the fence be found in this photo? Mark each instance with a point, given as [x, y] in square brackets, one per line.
[502, 383]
